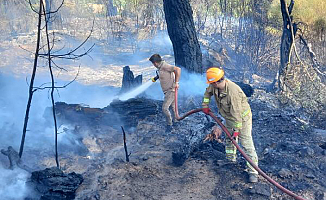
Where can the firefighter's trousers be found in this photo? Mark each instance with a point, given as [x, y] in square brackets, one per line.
[245, 139]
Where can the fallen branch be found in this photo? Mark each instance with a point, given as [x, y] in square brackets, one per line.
[312, 56]
[14, 159]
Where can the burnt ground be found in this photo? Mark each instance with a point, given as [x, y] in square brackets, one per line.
[289, 150]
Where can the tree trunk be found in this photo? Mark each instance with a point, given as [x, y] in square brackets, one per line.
[31, 84]
[181, 29]
[286, 45]
[48, 9]
[286, 41]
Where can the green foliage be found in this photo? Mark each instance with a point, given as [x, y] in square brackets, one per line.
[274, 14]
[307, 11]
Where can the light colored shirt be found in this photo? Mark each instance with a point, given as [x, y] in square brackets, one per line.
[166, 75]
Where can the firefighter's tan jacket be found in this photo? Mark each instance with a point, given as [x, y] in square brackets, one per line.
[232, 104]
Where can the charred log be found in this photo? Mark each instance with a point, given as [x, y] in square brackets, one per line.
[190, 143]
[52, 184]
[76, 113]
[133, 110]
[128, 80]
[117, 113]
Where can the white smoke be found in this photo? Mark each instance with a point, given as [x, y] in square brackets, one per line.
[13, 184]
[190, 84]
[13, 101]
[92, 95]
[40, 134]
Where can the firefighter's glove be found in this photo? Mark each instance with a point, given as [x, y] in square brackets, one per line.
[154, 79]
[214, 135]
[206, 110]
[236, 134]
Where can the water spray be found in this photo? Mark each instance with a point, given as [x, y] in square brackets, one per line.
[133, 93]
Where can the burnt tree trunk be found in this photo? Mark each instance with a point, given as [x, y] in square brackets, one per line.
[286, 41]
[129, 81]
[288, 35]
[181, 29]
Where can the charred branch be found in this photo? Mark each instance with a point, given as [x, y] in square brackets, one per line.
[49, 56]
[71, 55]
[42, 87]
[52, 89]
[45, 13]
[312, 55]
[125, 144]
[287, 45]
[13, 156]
[14, 159]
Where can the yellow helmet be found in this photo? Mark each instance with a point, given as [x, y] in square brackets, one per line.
[214, 74]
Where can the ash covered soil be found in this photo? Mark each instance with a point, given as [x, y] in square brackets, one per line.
[290, 151]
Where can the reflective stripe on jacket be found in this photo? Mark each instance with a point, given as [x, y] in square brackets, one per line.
[232, 104]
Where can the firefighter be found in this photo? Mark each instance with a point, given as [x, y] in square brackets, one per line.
[169, 76]
[233, 106]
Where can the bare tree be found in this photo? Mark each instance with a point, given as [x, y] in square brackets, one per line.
[287, 42]
[42, 15]
[31, 84]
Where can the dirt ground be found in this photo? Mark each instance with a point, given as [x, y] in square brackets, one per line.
[289, 151]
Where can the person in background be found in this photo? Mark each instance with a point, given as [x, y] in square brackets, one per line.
[169, 76]
[233, 106]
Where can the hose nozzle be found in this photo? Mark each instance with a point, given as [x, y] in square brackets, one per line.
[154, 79]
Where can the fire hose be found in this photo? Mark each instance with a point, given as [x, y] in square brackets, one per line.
[235, 144]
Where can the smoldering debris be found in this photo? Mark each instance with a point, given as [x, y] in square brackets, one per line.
[52, 183]
[116, 114]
